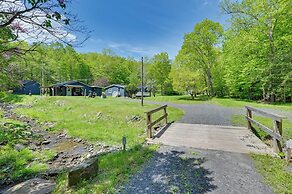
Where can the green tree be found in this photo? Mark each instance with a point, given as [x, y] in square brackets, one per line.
[257, 49]
[200, 49]
[184, 81]
[159, 70]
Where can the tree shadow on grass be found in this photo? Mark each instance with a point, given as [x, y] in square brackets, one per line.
[172, 172]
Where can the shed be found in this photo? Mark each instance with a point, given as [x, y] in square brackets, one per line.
[146, 93]
[115, 90]
[28, 86]
[72, 88]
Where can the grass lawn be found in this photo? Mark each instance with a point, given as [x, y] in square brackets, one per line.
[114, 170]
[227, 102]
[105, 120]
[274, 173]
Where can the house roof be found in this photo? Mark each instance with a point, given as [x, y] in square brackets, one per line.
[115, 85]
[66, 83]
[24, 82]
[74, 86]
[70, 84]
[96, 87]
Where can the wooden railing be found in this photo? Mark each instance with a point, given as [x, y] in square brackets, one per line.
[275, 133]
[151, 123]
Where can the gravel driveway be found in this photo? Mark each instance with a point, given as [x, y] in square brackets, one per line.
[188, 170]
[211, 114]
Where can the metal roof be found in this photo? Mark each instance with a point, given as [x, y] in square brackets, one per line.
[115, 85]
[74, 86]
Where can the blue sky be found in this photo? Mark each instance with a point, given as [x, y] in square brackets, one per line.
[142, 27]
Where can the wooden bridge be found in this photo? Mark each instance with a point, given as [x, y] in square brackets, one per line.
[213, 137]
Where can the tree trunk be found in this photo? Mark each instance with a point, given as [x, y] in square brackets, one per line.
[270, 94]
[192, 95]
[210, 82]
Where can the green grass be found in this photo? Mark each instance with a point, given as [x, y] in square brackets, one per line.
[287, 126]
[226, 102]
[10, 98]
[17, 165]
[114, 170]
[179, 99]
[104, 120]
[274, 173]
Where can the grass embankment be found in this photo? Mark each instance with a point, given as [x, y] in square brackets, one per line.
[114, 170]
[274, 173]
[22, 163]
[104, 120]
[9, 97]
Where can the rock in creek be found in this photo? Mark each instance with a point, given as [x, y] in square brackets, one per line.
[19, 147]
[86, 170]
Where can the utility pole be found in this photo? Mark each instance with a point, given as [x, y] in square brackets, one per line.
[43, 78]
[142, 84]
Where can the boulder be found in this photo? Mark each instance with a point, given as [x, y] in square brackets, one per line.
[84, 171]
[32, 186]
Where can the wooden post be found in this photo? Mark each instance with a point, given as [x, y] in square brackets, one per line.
[149, 130]
[248, 114]
[165, 113]
[289, 154]
[277, 129]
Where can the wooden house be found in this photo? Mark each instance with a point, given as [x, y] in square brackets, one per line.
[72, 88]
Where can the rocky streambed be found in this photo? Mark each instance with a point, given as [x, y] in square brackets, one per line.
[68, 151]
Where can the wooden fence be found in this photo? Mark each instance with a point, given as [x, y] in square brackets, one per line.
[275, 133]
[151, 123]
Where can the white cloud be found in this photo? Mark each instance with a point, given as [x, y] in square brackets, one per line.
[128, 48]
[136, 51]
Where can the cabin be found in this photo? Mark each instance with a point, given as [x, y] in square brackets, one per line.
[28, 87]
[71, 88]
[115, 90]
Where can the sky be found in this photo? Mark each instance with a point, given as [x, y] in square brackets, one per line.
[139, 28]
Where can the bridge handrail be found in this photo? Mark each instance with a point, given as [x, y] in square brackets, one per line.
[276, 132]
[151, 123]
